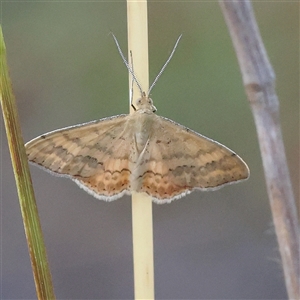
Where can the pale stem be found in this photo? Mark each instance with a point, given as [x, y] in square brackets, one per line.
[142, 228]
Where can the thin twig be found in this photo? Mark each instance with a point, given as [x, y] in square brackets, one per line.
[142, 229]
[259, 82]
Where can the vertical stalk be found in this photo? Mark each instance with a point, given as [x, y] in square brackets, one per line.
[142, 228]
[259, 82]
[37, 250]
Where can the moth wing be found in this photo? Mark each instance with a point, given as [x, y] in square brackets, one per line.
[181, 160]
[96, 155]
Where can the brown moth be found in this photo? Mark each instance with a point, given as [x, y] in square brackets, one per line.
[140, 152]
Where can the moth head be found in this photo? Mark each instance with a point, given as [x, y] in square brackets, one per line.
[145, 103]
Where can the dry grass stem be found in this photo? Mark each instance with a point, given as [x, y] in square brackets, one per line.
[142, 229]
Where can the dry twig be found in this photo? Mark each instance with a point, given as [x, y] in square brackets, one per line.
[259, 82]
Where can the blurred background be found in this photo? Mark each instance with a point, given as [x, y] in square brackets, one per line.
[66, 70]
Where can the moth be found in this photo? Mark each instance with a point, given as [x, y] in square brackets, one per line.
[140, 152]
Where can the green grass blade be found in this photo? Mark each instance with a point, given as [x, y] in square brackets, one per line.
[37, 251]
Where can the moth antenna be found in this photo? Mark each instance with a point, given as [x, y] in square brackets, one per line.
[165, 64]
[127, 64]
[132, 81]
